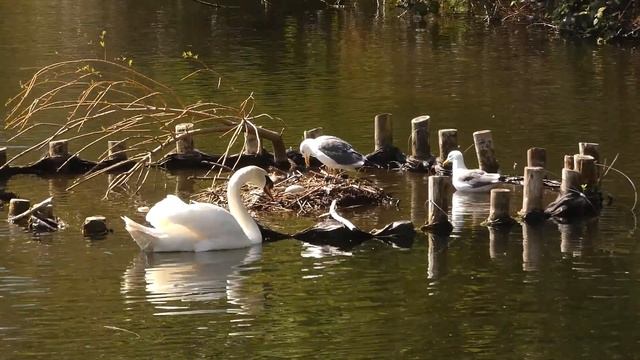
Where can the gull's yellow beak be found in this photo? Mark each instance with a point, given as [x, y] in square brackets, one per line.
[307, 162]
[446, 162]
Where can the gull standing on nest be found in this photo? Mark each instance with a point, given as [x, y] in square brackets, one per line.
[333, 152]
[470, 180]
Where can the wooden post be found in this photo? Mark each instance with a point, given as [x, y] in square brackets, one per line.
[184, 144]
[586, 165]
[117, 150]
[95, 226]
[251, 142]
[18, 206]
[59, 148]
[570, 180]
[592, 149]
[483, 141]
[420, 147]
[3, 155]
[313, 133]
[383, 131]
[499, 212]
[568, 162]
[439, 198]
[532, 209]
[537, 156]
[447, 141]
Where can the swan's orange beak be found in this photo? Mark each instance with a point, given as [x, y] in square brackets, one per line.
[267, 187]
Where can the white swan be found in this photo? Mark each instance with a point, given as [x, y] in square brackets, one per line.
[470, 180]
[178, 226]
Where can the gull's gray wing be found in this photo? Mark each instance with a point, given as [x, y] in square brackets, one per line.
[339, 150]
[478, 178]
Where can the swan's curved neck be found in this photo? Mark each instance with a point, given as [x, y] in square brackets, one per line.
[239, 211]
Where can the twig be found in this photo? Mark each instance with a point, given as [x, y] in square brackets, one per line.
[31, 210]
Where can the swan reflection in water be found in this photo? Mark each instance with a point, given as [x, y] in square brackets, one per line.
[189, 276]
[465, 206]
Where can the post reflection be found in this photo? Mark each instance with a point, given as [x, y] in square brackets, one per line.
[186, 276]
[531, 246]
[437, 256]
[498, 240]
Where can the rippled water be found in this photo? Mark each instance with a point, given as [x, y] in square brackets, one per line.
[555, 291]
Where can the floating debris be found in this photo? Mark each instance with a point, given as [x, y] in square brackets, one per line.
[319, 191]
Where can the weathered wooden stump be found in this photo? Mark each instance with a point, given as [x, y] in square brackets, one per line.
[499, 214]
[586, 165]
[571, 181]
[439, 199]
[59, 149]
[251, 143]
[591, 149]
[532, 208]
[383, 135]
[184, 142]
[17, 207]
[568, 162]
[3, 155]
[313, 133]
[537, 157]
[483, 141]
[95, 226]
[117, 150]
[420, 146]
[447, 141]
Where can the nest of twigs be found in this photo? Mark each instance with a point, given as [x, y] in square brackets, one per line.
[314, 195]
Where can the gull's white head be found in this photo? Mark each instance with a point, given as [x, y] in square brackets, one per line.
[456, 159]
[306, 149]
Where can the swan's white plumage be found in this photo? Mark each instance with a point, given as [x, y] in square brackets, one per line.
[177, 226]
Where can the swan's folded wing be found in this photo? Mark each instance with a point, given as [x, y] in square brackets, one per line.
[478, 178]
[201, 221]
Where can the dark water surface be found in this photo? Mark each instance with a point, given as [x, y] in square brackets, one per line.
[548, 292]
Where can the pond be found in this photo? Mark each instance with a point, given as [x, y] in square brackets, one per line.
[540, 293]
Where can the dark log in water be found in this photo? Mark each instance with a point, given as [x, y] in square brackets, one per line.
[199, 160]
